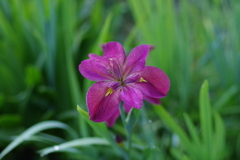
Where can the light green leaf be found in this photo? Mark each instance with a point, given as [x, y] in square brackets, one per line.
[168, 120]
[176, 153]
[99, 128]
[225, 97]
[103, 35]
[219, 138]
[205, 119]
[102, 130]
[74, 143]
[192, 130]
[33, 130]
[174, 127]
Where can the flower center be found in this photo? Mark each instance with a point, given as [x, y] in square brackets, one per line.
[122, 82]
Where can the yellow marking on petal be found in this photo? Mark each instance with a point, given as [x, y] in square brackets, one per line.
[109, 91]
[142, 80]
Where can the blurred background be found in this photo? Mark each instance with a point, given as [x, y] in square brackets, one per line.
[43, 42]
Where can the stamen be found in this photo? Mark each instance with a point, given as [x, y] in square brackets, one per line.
[109, 91]
[142, 80]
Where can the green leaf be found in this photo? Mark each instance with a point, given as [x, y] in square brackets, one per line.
[219, 138]
[10, 120]
[131, 119]
[230, 110]
[225, 97]
[176, 153]
[103, 35]
[174, 127]
[33, 76]
[46, 138]
[192, 130]
[74, 143]
[102, 130]
[205, 119]
[99, 128]
[2, 98]
[33, 130]
[168, 120]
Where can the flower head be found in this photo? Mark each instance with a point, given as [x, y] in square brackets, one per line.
[121, 78]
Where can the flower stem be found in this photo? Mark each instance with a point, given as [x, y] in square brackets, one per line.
[128, 131]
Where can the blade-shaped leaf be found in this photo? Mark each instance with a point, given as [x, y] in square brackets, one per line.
[74, 143]
[102, 130]
[219, 138]
[174, 127]
[206, 119]
[192, 130]
[33, 130]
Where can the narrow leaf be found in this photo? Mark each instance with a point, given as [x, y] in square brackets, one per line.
[74, 143]
[192, 130]
[205, 119]
[102, 130]
[174, 127]
[33, 130]
[219, 138]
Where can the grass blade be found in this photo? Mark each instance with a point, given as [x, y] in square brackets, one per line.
[225, 97]
[219, 138]
[103, 35]
[102, 130]
[174, 127]
[192, 130]
[99, 128]
[33, 130]
[205, 119]
[74, 143]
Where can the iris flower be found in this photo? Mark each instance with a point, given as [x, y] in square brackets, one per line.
[121, 78]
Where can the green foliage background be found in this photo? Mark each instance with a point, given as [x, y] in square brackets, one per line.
[43, 42]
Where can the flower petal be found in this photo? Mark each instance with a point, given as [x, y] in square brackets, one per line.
[148, 89]
[111, 121]
[152, 100]
[132, 96]
[127, 107]
[94, 70]
[157, 78]
[137, 58]
[135, 77]
[114, 50]
[99, 59]
[102, 103]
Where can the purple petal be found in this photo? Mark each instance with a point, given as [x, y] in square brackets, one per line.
[152, 100]
[137, 58]
[148, 89]
[157, 78]
[94, 69]
[101, 103]
[111, 121]
[99, 59]
[127, 107]
[116, 68]
[114, 50]
[132, 96]
[135, 77]
[105, 62]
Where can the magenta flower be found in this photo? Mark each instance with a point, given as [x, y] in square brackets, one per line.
[120, 78]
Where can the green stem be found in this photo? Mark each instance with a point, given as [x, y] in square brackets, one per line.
[128, 132]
